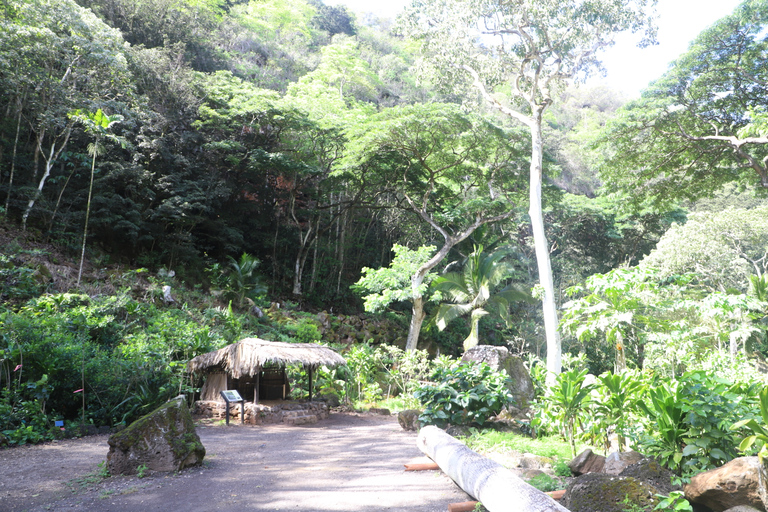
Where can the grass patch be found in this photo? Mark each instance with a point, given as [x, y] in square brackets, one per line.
[397, 404]
[89, 480]
[491, 440]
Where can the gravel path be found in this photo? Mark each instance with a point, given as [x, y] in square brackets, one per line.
[348, 462]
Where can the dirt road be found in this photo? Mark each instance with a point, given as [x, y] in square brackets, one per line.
[345, 463]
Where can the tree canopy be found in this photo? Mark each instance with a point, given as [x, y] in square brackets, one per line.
[703, 123]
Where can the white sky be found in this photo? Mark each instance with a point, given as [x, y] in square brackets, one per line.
[629, 68]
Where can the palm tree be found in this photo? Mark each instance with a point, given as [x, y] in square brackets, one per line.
[243, 280]
[98, 126]
[471, 292]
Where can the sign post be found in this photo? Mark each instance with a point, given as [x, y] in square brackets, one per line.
[231, 396]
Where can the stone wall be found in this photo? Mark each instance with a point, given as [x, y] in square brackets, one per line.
[290, 413]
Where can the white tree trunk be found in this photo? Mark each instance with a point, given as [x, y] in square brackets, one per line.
[493, 485]
[549, 305]
[417, 319]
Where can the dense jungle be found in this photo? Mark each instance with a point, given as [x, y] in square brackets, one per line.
[176, 175]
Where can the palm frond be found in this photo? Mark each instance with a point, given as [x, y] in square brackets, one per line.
[446, 313]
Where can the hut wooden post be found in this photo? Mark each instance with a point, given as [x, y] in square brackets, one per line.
[310, 383]
[256, 386]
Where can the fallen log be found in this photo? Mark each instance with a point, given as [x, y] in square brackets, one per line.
[497, 488]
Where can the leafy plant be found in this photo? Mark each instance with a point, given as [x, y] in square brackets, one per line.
[675, 502]
[241, 279]
[141, 471]
[691, 420]
[666, 412]
[759, 434]
[566, 402]
[463, 395]
[619, 395]
[562, 469]
[630, 506]
[545, 483]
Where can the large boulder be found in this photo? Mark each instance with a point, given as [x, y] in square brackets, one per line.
[599, 492]
[587, 462]
[738, 482]
[499, 359]
[163, 440]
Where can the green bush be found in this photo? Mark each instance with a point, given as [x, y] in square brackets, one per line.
[18, 282]
[467, 394]
[690, 420]
[127, 356]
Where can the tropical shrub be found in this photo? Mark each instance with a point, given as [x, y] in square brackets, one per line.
[117, 356]
[690, 421]
[466, 394]
[565, 404]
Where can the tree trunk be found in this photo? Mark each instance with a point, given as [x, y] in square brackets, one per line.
[88, 213]
[417, 318]
[48, 166]
[496, 487]
[554, 356]
[13, 161]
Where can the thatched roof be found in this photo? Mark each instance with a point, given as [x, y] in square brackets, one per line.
[248, 356]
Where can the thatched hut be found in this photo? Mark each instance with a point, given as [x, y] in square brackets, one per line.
[256, 367]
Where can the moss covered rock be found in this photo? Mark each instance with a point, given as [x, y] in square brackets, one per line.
[600, 492]
[163, 440]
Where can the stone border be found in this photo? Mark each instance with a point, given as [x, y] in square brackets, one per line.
[289, 413]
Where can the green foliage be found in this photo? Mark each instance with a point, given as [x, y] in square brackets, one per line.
[545, 483]
[724, 248]
[488, 440]
[759, 435]
[134, 356]
[671, 321]
[562, 469]
[687, 135]
[691, 421]
[619, 395]
[465, 394]
[472, 292]
[241, 280]
[566, 404]
[18, 282]
[393, 283]
[674, 502]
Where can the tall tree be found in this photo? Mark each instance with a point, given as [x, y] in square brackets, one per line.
[516, 54]
[96, 125]
[455, 171]
[703, 123]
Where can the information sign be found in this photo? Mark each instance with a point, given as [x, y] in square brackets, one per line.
[231, 396]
